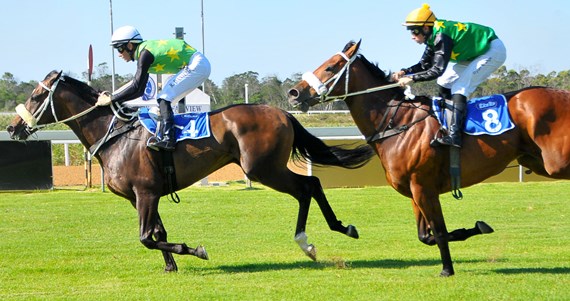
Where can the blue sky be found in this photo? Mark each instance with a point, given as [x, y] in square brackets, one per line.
[267, 36]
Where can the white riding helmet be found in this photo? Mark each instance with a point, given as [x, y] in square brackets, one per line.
[125, 35]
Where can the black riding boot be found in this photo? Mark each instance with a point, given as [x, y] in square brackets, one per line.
[456, 127]
[444, 93]
[166, 139]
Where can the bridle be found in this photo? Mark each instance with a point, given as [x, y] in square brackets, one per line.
[386, 128]
[31, 119]
[324, 90]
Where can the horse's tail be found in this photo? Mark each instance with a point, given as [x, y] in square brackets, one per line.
[307, 147]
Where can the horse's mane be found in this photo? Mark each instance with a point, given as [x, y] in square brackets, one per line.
[83, 89]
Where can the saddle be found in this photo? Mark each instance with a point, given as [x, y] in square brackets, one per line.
[487, 115]
[186, 125]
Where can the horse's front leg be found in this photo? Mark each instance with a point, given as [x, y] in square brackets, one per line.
[161, 235]
[462, 234]
[150, 223]
[431, 211]
[424, 233]
[425, 236]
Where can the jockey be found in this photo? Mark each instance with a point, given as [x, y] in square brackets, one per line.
[173, 56]
[475, 49]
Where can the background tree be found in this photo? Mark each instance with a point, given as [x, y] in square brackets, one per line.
[273, 91]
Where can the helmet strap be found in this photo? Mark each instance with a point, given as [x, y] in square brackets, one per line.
[132, 52]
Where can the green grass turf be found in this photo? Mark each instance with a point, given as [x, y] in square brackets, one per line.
[83, 245]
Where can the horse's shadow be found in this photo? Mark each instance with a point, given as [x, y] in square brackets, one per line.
[363, 264]
[320, 265]
[556, 270]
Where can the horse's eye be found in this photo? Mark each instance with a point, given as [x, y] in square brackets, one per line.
[329, 69]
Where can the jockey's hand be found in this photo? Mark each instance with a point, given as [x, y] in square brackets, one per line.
[405, 81]
[397, 75]
[104, 99]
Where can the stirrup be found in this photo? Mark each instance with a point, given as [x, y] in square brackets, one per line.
[151, 143]
[447, 140]
[162, 145]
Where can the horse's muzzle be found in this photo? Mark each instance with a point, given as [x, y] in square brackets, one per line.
[295, 102]
[19, 132]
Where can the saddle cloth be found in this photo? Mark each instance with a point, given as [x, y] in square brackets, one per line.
[487, 115]
[186, 126]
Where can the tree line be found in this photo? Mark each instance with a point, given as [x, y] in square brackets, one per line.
[273, 91]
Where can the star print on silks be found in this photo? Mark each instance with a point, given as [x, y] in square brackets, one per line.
[172, 54]
[438, 25]
[460, 26]
[162, 42]
[454, 56]
[159, 67]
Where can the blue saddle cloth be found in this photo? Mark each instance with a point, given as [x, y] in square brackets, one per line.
[487, 115]
[186, 126]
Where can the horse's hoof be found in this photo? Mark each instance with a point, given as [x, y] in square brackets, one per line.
[171, 268]
[201, 253]
[445, 273]
[311, 251]
[352, 232]
[484, 227]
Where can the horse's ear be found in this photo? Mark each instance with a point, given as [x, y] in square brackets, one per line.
[53, 76]
[354, 49]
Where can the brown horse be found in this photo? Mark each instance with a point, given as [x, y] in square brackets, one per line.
[258, 138]
[400, 129]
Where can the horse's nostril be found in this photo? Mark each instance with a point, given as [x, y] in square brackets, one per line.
[293, 93]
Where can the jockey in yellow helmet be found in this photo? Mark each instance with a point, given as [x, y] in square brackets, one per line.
[475, 49]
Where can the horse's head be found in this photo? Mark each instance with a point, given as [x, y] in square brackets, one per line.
[49, 103]
[26, 122]
[327, 81]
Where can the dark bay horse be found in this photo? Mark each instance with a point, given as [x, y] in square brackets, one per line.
[259, 138]
[401, 129]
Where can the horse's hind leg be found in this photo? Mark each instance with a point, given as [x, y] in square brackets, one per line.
[302, 188]
[326, 209]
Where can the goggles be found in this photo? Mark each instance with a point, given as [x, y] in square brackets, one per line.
[416, 30]
[120, 48]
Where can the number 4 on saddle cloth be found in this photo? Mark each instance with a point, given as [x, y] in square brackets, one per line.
[187, 125]
[485, 116]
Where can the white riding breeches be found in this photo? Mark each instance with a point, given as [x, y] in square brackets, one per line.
[464, 77]
[187, 79]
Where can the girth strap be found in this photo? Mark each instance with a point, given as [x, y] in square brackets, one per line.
[170, 173]
[112, 132]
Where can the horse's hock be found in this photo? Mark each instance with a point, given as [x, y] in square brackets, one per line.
[76, 175]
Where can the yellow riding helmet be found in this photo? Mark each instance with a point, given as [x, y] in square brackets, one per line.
[420, 17]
